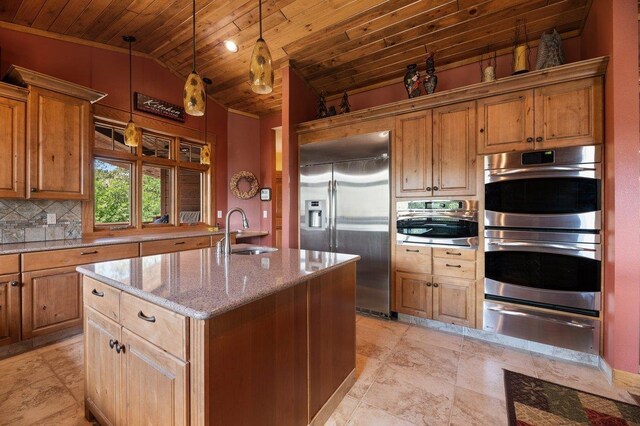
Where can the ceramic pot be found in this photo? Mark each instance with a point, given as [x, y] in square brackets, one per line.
[412, 81]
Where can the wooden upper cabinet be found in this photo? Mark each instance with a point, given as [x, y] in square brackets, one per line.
[454, 150]
[505, 122]
[413, 153]
[59, 137]
[9, 309]
[12, 147]
[568, 114]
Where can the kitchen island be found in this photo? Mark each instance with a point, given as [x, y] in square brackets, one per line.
[199, 338]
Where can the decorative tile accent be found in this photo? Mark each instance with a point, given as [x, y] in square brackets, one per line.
[26, 220]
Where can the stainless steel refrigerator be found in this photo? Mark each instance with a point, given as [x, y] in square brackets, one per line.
[344, 208]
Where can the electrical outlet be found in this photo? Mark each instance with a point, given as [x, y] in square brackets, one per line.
[264, 214]
[51, 219]
[219, 214]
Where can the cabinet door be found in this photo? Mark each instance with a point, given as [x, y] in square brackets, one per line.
[413, 294]
[454, 150]
[51, 301]
[454, 300]
[102, 366]
[569, 114]
[505, 123]
[9, 309]
[412, 149]
[155, 385]
[58, 163]
[12, 148]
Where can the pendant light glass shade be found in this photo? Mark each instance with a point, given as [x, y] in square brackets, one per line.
[131, 134]
[194, 97]
[205, 153]
[260, 69]
[261, 72]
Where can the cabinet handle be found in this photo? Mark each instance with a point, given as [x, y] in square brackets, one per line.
[436, 285]
[97, 293]
[412, 251]
[112, 343]
[435, 188]
[14, 283]
[453, 266]
[179, 243]
[450, 253]
[34, 189]
[119, 347]
[428, 188]
[84, 253]
[529, 139]
[539, 139]
[146, 318]
[428, 284]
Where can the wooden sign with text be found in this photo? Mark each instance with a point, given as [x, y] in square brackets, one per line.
[159, 107]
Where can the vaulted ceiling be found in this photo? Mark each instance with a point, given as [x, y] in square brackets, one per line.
[335, 45]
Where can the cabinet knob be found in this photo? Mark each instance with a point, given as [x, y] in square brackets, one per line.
[14, 283]
[34, 189]
[481, 130]
[529, 139]
[435, 188]
[44, 307]
[428, 284]
[428, 188]
[539, 139]
[112, 343]
[436, 285]
[119, 348]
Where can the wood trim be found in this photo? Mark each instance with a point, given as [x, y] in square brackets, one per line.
[13, 92]
[626, 380]
[568, 72]
[25, 77]
[246, 114]
[343, 130]
[199, 372]
[330, 406]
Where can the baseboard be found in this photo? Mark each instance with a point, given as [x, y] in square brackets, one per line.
[37, 342]
[332, 403]
[626, 380]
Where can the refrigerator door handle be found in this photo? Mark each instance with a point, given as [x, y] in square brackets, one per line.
[334, 215]
[330, 214]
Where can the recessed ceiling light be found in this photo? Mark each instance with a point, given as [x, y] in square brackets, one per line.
[231, 46]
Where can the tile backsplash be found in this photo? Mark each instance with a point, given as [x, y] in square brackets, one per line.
[26, 220]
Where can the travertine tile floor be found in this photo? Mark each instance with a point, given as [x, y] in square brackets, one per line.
[406, 375]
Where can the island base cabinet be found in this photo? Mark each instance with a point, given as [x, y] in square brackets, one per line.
[102, 371]
[9, 309]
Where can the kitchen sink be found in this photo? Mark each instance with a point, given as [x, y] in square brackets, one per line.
[253, 250]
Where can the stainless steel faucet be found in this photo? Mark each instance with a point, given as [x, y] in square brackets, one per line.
[245, 224]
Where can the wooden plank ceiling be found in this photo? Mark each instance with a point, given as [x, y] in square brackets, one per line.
[335, 45]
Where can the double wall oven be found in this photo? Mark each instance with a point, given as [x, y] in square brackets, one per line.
[542, 246]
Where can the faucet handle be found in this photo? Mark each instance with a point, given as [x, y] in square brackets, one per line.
[220, 245]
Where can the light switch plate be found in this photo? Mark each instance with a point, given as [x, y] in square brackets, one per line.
[264, 214]
[219, 214]
[51, 219]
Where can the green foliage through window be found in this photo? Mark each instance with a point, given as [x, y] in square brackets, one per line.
[112, 192]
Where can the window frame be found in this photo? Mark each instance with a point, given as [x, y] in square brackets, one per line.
[137, 161]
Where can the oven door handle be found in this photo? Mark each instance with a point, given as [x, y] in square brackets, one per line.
[541, 245]
[517, 313]
[543, 169]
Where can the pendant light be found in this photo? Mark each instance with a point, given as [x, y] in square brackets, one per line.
[130, 132]
[205, 153]
[194, 97]
[261, 72]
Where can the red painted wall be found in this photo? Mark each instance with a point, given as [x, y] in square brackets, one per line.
[449, 79]
[298, 105]
[612, 29]
[108, 71]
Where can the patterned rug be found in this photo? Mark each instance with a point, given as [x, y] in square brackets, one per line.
[535, 402]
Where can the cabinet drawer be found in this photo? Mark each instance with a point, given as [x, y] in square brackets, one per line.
[177, 244]
[454, 254]
[413, 259]
[160, 326]
[9, 264]
[454, 268]
[78, 256]
[101, 297]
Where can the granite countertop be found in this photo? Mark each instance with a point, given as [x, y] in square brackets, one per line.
[202, 284]
[18, 248]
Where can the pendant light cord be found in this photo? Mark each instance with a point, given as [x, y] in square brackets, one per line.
[260, 16]
[194, 36]
[130, 89]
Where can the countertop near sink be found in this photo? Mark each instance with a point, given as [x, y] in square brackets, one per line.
[202, 284]
[100, 241]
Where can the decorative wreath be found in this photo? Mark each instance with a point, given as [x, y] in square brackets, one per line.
[249, 177]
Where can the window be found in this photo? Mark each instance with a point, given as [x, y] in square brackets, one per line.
[160, 184]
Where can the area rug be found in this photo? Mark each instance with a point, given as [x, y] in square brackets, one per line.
[536, 402]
